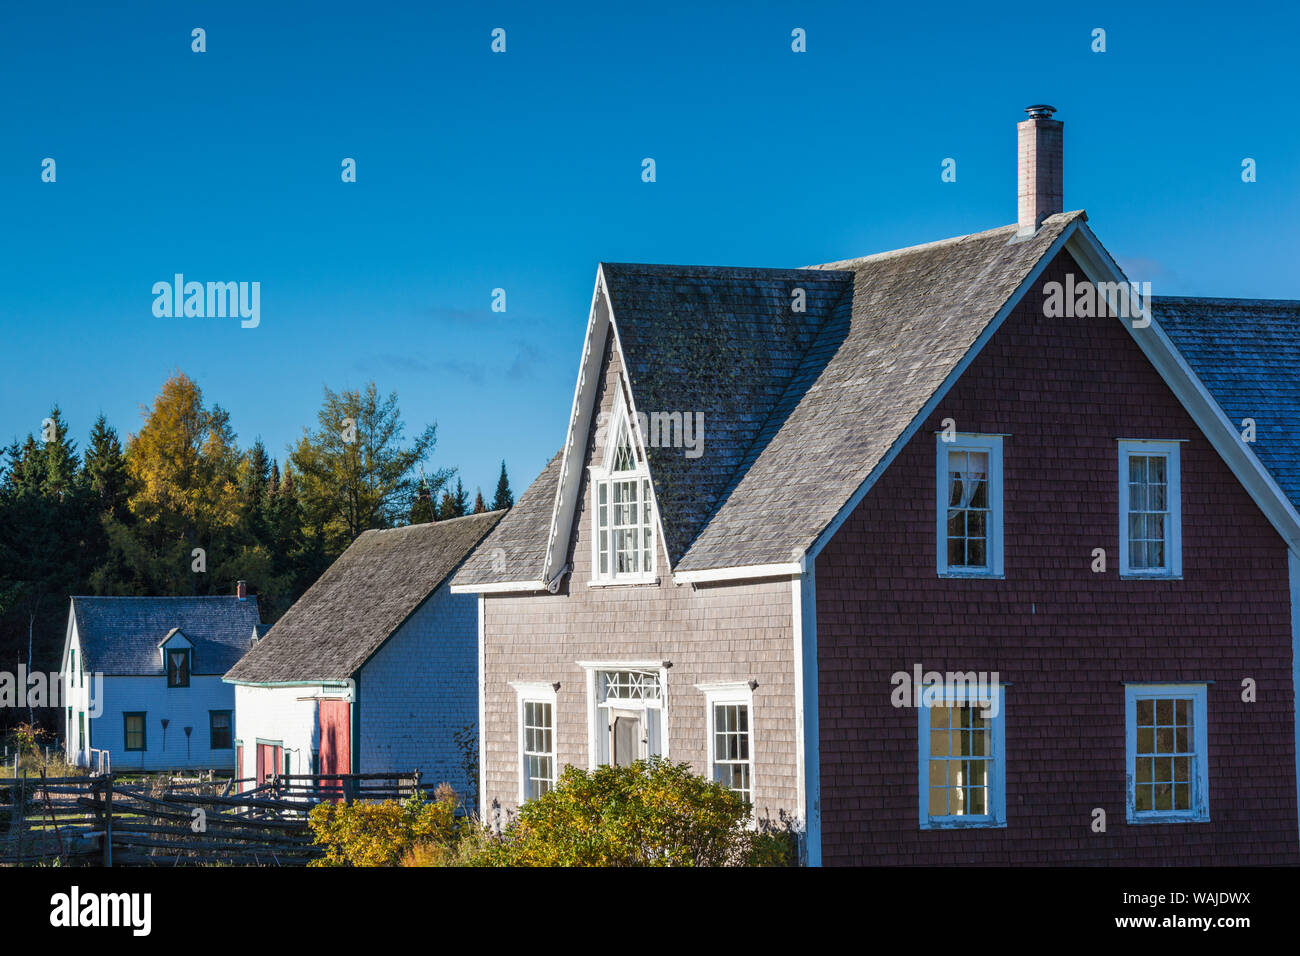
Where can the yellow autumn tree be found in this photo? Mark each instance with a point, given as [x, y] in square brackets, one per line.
[183, 467]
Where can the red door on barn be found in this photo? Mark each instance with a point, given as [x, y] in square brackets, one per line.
[268, 761]
[335, 739]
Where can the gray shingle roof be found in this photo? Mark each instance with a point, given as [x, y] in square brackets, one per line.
[915, 313]
[120, 635]
[366, 595]
[798, 409]
[721, 342]
[518, 543]
[1247, 352]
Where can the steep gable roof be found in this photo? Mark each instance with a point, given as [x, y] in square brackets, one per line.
[915, 315]
[1247, 352]
[356, 605]
[718, 344]
[855, 377]
[120, 636]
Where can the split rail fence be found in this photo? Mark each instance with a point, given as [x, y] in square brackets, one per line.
[109, 819]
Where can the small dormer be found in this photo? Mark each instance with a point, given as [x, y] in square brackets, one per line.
[176, 654]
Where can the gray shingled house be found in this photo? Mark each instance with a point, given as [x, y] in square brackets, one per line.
[141, 679]
[784, 492]
[373, 669]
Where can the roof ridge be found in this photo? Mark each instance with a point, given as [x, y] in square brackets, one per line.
[1225, 298]
[429, 524]
[924, 246]
[684, 267]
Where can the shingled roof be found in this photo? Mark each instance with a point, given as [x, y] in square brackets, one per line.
[516, 548]
[1247, 353]
[799, 409]
[119, 636]
[356, 605]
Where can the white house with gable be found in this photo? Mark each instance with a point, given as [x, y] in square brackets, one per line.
[141, 679]
[374, 669]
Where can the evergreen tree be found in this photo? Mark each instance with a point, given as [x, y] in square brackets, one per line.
[479, 506]
[505, 498]
[105, 469]
[422, 510]
[60, 454]
[453, 504]
[354, 471]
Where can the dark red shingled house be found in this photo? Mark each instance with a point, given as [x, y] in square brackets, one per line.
[945, 555]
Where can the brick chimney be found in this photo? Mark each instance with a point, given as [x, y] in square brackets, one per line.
[241, 590]
[1040, 158]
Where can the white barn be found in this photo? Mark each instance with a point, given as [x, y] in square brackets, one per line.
[374, 669]
[140, 678]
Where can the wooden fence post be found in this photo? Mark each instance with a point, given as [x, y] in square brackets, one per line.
[20, 802]
[108, 819]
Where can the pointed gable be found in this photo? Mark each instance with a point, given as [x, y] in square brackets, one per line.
[719, 345]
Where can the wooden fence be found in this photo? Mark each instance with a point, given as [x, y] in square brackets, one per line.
[111, 820]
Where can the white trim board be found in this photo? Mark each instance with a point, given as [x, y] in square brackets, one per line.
[1293, 560]
[1097, 264]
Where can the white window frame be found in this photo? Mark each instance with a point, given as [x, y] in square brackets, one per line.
[1173, 495]
[997, 795]
[992, 445]
[725, 693]
[598, 728]
[1200, 777]
[602, 476]
[542, 693]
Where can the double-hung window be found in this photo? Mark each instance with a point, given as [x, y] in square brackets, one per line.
[623, 512]
[220, 732]
[134, 730]
[536, 739]
[969, 505]
[729, 719]
[962, 757]
[1150, 509]
[1168, 769]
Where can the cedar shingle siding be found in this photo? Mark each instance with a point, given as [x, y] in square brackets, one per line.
[1063, 391]
[710, 633]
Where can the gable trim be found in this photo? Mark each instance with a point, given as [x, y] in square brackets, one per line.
[739, 573]
[580, 420]
[1192, 394]
[498, 586]
[584, 398]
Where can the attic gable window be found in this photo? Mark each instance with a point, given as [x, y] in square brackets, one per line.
[969, 505]
[623, 547]
[178, 668]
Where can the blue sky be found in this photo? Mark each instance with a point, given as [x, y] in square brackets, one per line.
[523, 170]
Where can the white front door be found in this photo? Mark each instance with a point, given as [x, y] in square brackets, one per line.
[627, 737]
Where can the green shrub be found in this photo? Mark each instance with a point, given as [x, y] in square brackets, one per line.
[386, 833]
[653, 813]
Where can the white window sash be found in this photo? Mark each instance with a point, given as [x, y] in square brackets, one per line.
[534, 692]
[1200, 775]
[1173, 567]
[990, 445]
[604, 480]
[723, 694]
[997, 786]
